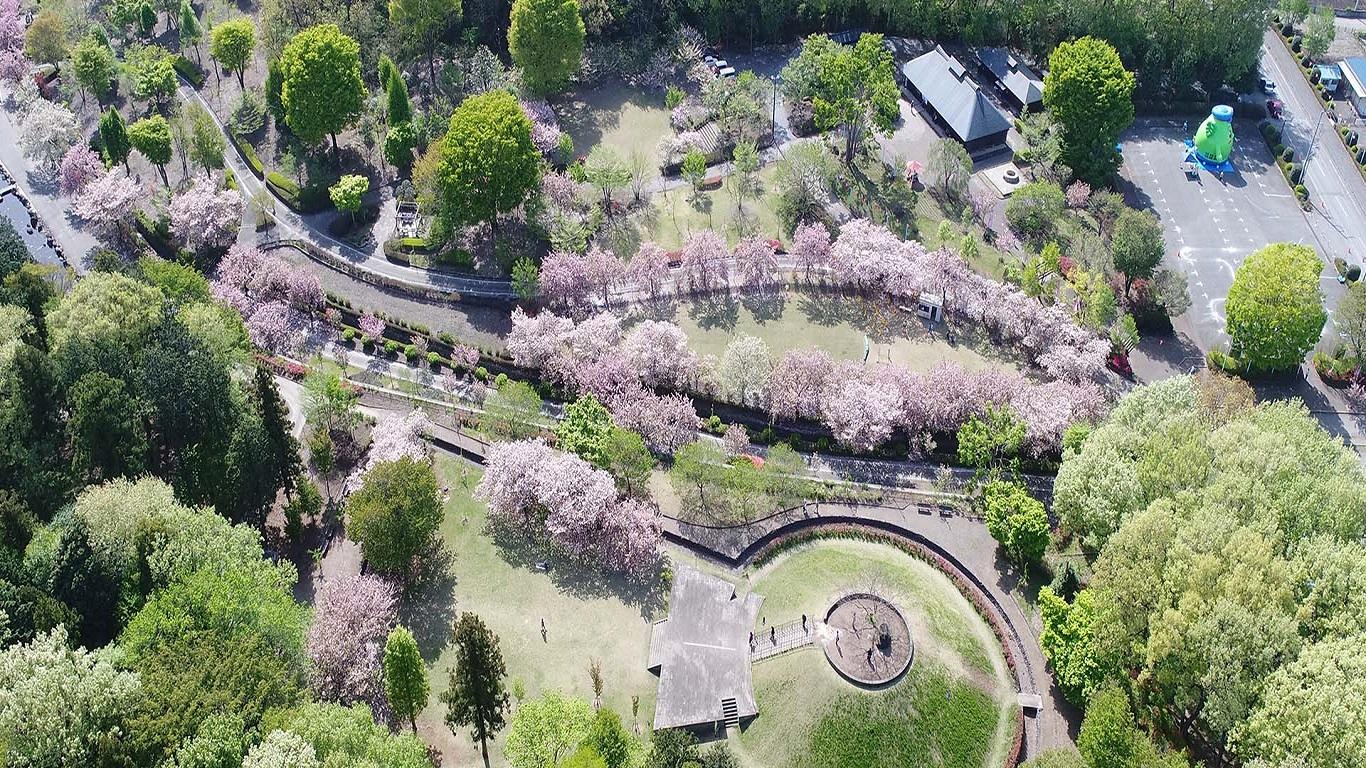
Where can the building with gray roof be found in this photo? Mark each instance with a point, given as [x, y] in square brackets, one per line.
[941, 83]
[701, 653]
[1020, 83]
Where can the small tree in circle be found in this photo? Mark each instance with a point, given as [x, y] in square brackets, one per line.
[695, 169]
[348, 193]
[405, 679]
[476, 697]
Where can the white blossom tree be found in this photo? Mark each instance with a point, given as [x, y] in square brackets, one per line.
[204, 217]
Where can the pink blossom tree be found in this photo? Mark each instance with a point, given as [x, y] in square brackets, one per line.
[811, 247]
[630, 538]
[108, 203]
[659, 353]
[277, 300]
[545, 125]
[204, 217]
[757, 263]
[14, 66]
[648, 269]
[564, 282]
[1078, 194]
[704, 261]
[596, 337]
[80, 166]
[12, 26]
[276, 326]
[1047, 410]
[371, 326]
[666, 423]
[736, 440]
[865, 255]
[603, 270]
[345, 642]
[559, 190]
[794, 388]
[536, 340]
[464, 357]
[860, 413]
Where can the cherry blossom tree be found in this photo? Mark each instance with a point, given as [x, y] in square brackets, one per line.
[46, 131]
[12, 26]
[536, 340]
[559, 190]
[108, 203]
[277, 326]
[204, 217]
[704, 261]
[865, 255]
[596, 337]
[80, 166]
[659, 353]
[277, 300]
[742, 370]
[794, 388]
[860, 412]
[1078, 194]
[1047, 410]
[464, 357]
[648, 269]
[345, 642]
[371, 326]
[665, 422]
[811, 247]
[736, 440]
[564, 282]
[14, 66]
[757, 263]
[603, 270]
[567, 503]
[545, 125]
[608, 378]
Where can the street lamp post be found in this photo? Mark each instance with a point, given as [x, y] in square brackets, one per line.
[773, 115]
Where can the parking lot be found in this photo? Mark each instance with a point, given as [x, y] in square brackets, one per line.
[1212, 224]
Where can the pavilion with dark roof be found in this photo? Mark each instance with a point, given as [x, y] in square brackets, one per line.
[941, 83]
[1020, 83]
[701, 653]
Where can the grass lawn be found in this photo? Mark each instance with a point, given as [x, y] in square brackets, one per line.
[955, 707]
[623, 118]
[834, 323]
[585, 618]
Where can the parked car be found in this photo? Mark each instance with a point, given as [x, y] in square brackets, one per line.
[1275, 108]
[1268, 85]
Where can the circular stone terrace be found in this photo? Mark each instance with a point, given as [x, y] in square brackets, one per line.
[867, 640]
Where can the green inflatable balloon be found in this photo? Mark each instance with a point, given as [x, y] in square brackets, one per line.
[1214, 137]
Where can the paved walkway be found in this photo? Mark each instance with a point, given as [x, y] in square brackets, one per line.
[53, 209]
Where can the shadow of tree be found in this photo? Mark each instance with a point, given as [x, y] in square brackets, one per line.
[717, 310]
[764, 306]
[582, 580]
[428, 606]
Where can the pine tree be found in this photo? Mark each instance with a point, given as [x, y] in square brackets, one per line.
[275, 419]
[405, 678]
[400, 109]
[114, 134]
[476, 696]
[190, 30]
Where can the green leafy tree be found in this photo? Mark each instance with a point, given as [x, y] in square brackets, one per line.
[609, 739]
[329, 403]
[584, 430]
[105, 428]
[114, 136]
[949, 166]
[45, 39]
[423, 22]
[475, 697]
[151, 137]
[1137, 245]
[154, 77]
[628, 459]
[546, 730]
[991, 442]
[218, 742]
[286, 464]
[321, 90]
[206, 143]
[1108, 736]
[1319, 32]
[191, 31]
[275, 85]
[405, 676]
[1311, 706]
[545, 38]
[232, 43]
[487, 164]
[1069, 645]
[399, 142]
[348, 193]
[395, 513]
[398, 108]
[1294, 11]
[349, 736]
[512, 411]
[584, 757]
[87, 583]
[605, 170]
[671, 748]
[855, 90]
[1350, 320]
[1090, 93]
[695, 169]
[1017, 521]
[1275, 309]
[94, 66]
[526, 278]
[1035, 209]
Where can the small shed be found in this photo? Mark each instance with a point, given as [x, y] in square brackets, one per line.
[930, 307]
[1354, 74]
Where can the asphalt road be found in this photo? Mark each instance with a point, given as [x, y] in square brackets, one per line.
[1337, 191]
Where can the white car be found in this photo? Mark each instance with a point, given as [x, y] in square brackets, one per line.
[725, 72]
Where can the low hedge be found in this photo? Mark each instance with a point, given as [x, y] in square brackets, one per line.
[306, 200]
[249, 153]
[188, 70]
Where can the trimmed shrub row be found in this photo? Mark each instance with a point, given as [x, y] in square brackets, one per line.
[188, 70]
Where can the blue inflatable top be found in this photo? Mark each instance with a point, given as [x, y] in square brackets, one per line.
[1223, 112]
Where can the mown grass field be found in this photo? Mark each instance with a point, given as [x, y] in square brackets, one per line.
[954, 708]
